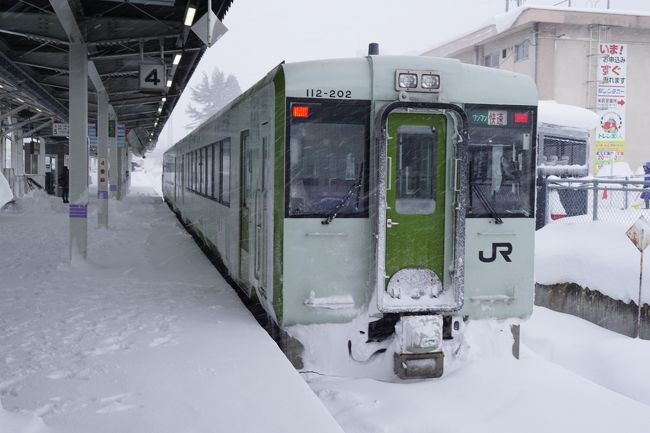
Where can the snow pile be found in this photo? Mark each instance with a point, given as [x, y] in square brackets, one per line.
[612, 360]
[593, 254]
[552, 113]
[5, 191]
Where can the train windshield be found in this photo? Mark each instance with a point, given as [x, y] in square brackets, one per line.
[327, 158]
[501, 162]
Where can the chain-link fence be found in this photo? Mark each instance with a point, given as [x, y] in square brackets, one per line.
[620, 200]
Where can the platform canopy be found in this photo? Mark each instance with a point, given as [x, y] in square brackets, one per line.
[142, 52]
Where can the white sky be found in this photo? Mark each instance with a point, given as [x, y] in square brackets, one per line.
[263, 33]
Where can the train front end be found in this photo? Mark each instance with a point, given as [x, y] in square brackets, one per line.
[454, 203]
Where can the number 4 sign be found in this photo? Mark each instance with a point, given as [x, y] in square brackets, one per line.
[152, 77]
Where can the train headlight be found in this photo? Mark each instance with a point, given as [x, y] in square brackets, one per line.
[407, 81]
[430, 81]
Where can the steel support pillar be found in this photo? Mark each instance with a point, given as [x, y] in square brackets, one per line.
[102, 159]
[41, 158]
[78, 179]
[113, 168]
[3, 147]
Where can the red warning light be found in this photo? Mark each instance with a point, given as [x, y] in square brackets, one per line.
[300, 111]
[521, 118]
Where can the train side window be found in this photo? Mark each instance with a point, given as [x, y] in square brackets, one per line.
[225, 172]
[199, 171]
[208, 177]
[217, 170]
[416, 170]
[194, 170]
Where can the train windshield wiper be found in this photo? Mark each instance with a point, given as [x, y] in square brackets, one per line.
[487, 204]
[355, 187]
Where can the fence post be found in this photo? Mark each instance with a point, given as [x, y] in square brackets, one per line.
[626, 193]
[595, 204]
[547, 210]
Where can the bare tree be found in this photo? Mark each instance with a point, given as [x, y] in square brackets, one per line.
[211, 95]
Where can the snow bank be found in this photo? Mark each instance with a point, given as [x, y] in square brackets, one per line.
[552, 113]
[612, 360]
[5, 191]
[593, 254]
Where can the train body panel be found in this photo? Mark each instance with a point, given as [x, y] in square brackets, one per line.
[326, 271]
[375, 193]
[499, 262]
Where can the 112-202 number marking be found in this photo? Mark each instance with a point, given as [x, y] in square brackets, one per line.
[318, 93]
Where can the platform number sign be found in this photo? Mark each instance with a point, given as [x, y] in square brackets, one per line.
[152, 77]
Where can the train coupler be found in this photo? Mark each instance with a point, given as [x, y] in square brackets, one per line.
[419, 347]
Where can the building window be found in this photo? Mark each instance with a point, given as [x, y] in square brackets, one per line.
[521, 51]
[504, 53]
[492, 60]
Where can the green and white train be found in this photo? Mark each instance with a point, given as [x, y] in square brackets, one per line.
[392, 196]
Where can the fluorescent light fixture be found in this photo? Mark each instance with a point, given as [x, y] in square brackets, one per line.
[169, 83]
[19, 100]
[164, 98]
[189, 16]
[38, 109]
[177, 59]
[1, 86]
[159, 109]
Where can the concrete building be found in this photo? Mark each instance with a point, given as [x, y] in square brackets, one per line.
[592, 58]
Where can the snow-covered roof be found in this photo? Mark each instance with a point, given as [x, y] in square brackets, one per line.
[552, 113]
[546, 14]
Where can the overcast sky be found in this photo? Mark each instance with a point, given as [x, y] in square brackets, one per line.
[263, 33]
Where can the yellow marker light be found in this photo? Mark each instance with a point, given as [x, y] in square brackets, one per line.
[189, 16]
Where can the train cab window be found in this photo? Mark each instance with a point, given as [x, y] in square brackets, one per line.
[501, 162]
[416, 170]
[327, 158]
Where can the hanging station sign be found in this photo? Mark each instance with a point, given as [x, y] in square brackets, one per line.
[152, 77]
[60, 129]
[610, 103]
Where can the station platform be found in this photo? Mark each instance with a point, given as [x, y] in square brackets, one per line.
[145, 336]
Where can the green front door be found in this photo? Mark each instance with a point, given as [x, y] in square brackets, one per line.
[415, 195]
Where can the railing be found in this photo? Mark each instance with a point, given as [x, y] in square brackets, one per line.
[596, 199]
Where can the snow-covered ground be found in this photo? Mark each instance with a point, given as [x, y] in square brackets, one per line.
[147, 337]
[493, 392]
[144, 337]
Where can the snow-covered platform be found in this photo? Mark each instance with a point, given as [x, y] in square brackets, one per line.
[144, 337]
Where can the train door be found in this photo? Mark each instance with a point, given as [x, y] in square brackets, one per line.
[245, 199]
[415, 208]
[262, 209]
